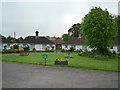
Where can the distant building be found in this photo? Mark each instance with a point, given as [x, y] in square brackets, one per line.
[115, 45]
[58, 43]
[4, 43]
[79, 43]
[37, 42]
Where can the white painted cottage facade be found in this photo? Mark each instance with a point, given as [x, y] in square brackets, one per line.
[40, 43]
[76, 42]
[79, 43]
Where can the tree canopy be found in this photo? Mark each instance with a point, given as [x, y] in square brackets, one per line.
[66, 37]
[75, 30]
[99, 29]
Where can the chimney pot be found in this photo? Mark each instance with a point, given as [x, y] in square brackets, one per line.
[79, 36]
[37, 33]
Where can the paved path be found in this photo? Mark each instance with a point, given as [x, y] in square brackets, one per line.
[10, 54]
[17, 75]
[32, 53]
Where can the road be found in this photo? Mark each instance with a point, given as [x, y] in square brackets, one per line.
[18, 75]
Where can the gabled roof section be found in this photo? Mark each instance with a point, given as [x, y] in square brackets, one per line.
[57, 42]
[4, 40]
[75, 41]
[37, 40]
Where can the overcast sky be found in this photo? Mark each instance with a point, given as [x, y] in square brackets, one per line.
[49, 18]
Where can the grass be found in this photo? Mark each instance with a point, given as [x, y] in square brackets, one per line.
[76, 61]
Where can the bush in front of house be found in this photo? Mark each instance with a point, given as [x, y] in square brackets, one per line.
[15, 46]
[93, 54]
[80, 54]
[21, 50]
[113, 52]
[49, 51]
[81, 50]
[34, 50]
[26, 48]
[10, 51]
[72, 49]
[93, 51]
[86, 50]
[63, 50]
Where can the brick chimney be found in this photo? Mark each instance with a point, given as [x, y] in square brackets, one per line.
[37, 33]
[79, 36]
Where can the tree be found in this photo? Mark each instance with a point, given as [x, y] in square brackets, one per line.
[75, 30]
[11, 38]
[99, 29]
[19, 39]
[66, 37]
[15, 46]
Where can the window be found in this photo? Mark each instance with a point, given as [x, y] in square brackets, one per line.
[43, 46]
[24, 45]
[73, 46]
[8, 45]
[66, 46]
[50, 45]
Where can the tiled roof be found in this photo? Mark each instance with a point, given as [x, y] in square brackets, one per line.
[57, 42]
[4, 40]
[37, 40]
[75, 41]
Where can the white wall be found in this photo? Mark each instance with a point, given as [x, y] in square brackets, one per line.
[68, 47]
[77, 47]
[115, 48]
[39, 47]
[5, 44]
[89, 49]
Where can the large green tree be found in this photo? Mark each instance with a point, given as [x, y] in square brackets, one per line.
[99, 29]
[75, 30]
[66, 37]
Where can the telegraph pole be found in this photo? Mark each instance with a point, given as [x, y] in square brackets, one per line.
[14, 35]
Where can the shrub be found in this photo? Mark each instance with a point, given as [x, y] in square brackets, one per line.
[15, 46]
[77, 51]
[93, 51]
[10, 51]
[80, 54]
[85, 53]
[71, 49]
[113, 52]
[89, 51]
[11, 47]
[27, 48]
[86, 50]
[46, 49]
[63, 50]
[5, 47]
[21, 50]
[34, 50]
[81, 50]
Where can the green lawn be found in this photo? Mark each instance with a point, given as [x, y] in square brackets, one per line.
[76, 61]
